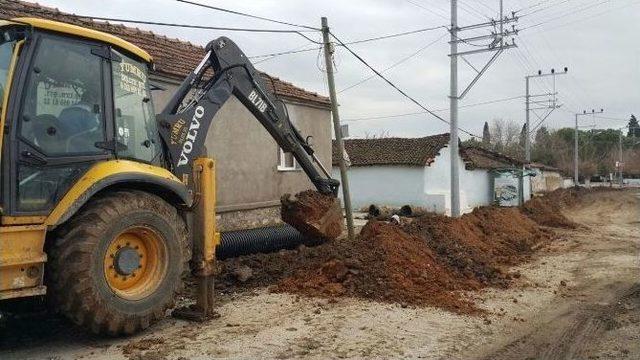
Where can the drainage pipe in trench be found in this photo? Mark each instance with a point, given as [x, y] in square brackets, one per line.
[262, 240]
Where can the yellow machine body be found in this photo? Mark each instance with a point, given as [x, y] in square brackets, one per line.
[22, 238]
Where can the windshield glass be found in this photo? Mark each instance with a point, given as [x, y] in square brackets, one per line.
[135, 120]
[6, 49]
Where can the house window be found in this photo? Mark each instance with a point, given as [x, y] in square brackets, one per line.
[287, 162]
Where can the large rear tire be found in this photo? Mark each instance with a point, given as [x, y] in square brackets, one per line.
[117, 266]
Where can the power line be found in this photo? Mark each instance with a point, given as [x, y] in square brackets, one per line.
[402, 92]
[297, 50]
[533, 6]
[545, 8]
[464, 5]
[572, 12]
[396, 35]
[266, 57]
[487, 7]
[248, 15]
[426, 9]
[394, 64]
[196, 26]
[437, 110]
[585, 18]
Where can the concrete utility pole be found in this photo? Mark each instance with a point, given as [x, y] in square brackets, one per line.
[552, 104]
[328, 58]
[620, 160]
[453, 113]
[497, 45]
[576, 157]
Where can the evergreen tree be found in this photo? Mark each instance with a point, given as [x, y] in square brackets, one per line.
[486, 135]
[523, 136]
[634, 127]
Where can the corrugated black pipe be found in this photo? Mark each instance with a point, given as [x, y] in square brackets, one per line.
[262, 240]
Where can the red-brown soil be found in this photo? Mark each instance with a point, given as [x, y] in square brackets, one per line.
[547, 210]
[428, 260]
[314, 214]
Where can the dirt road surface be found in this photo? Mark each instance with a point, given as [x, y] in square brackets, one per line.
[579, 298]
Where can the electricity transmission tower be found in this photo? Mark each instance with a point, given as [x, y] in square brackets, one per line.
[551, 103]
[575, 145]
[499, 41]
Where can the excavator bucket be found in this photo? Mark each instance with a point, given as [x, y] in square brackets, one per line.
[314, 214]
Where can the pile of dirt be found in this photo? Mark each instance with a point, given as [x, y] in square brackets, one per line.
[384, 263]
[313, 214]
[425, 262]
[547, 210]
[478, 246]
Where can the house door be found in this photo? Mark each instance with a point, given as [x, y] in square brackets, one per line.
[60, 128]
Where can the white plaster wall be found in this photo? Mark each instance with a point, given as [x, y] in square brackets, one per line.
[538, 183]
[526, 187]
[567, 183]
[427, 187]
[384, 185]
[552, 179]
[474, 184]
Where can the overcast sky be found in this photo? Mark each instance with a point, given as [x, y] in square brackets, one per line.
[596, 39]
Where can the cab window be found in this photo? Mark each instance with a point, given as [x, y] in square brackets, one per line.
[61, 122]
[6, 50]
[62, 112]
[135, 119]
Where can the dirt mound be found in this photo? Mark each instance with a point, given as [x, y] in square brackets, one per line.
[386, 264]
[478, 246]
[314, 214]
[425, 262]
[547, 210]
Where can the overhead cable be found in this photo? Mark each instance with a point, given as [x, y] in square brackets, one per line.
[402, 92]
[437, 110]
[248, 15]
[277, 31]
[572, 12]
[394, 64]
[396, 35]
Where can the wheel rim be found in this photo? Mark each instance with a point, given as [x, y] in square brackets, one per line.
[135, 263]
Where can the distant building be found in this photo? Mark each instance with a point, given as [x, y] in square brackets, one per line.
[416, 171]
[548, 178]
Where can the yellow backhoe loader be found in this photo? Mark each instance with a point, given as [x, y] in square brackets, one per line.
[103, 204]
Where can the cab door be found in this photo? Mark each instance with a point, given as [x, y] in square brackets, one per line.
[60, 125]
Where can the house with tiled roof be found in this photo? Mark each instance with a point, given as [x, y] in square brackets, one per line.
[251, 171]
[547, 178]
[416, 172]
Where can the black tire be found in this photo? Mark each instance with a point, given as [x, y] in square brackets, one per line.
[77, 277]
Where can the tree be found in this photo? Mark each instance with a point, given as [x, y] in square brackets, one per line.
[486, 135]
[523, 136]
[634, 127]
[542, 136]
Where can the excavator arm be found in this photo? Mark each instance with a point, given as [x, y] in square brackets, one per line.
[225, 71]
[183, 124]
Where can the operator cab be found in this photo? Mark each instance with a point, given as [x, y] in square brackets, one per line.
[73, 97]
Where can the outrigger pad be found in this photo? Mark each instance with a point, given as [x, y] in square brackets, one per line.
[313, 214]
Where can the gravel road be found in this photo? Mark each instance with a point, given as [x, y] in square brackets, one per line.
[579, 298]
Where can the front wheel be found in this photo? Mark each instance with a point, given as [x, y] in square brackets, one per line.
[117, 266]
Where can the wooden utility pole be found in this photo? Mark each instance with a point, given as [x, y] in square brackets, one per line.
[328, 58]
